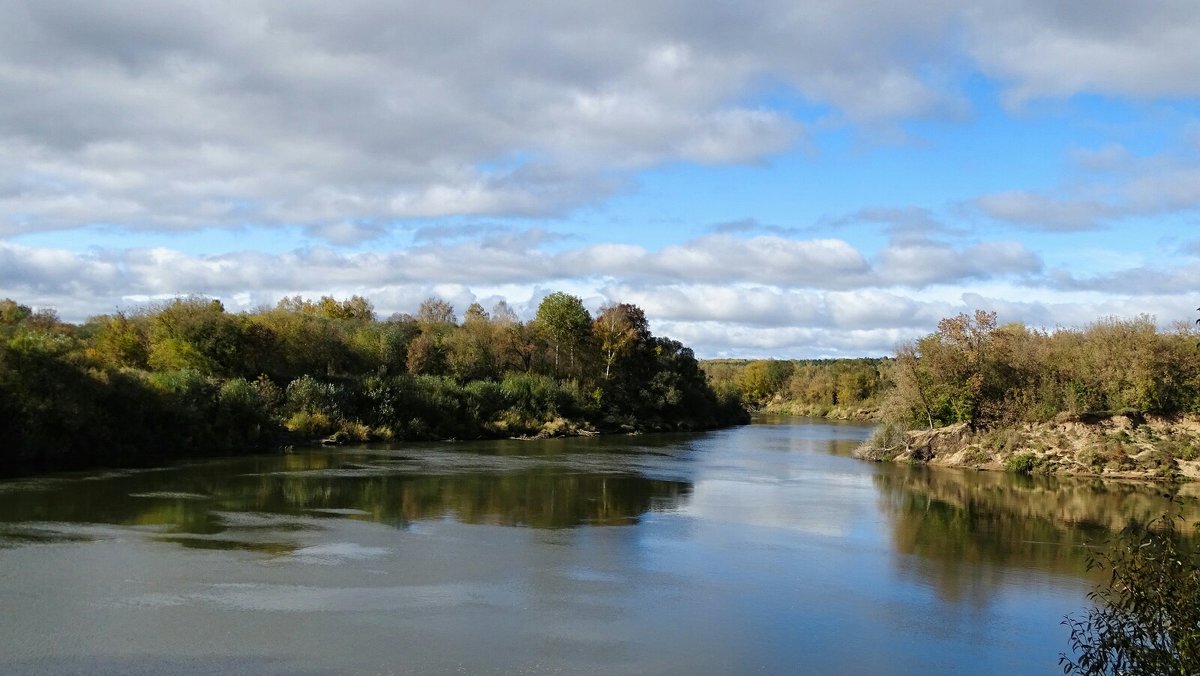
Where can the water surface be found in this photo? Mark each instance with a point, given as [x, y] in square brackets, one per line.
[763, 548]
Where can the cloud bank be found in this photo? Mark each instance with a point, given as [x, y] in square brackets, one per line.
[452, 122]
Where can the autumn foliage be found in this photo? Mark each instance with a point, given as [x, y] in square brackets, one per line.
[974, 371]
[188, 377]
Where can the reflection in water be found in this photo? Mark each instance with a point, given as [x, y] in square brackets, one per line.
[225, 505]
[771, 551]
[964, 531]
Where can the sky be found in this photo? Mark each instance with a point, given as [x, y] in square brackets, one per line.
[765, 179]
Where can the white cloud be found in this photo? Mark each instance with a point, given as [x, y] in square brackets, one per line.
[920, 263]
[1045, 212]
[1115, 185]
[350, 123]
[195, 115]
[1106, 47]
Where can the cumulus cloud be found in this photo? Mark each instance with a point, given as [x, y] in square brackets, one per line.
[1160, 279]
[904, 223]
[751, 225]
[831, 337]
[355, 123]
[1045, 212]
[743, 312]
[712, 339]
[1108, 47]
[919, 263]
[1115, 184]
[1145, 193]
[1080, 310]
[185, 116]
[761, 280]
[345, 232]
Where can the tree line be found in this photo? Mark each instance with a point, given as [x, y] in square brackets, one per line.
[187, 377]
[973, 370]
[816, 387]
[976, 371]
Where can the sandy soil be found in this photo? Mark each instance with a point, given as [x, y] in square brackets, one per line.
[1131, 447]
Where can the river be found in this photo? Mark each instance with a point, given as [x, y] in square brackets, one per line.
[764, 548]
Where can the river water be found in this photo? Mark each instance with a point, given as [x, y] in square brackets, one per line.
[764, 548]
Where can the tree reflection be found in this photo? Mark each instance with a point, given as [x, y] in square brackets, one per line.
[255, 503]
[963, 532]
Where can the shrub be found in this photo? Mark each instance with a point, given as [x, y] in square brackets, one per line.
[353, 430]
[1146, 620]
[1022, 463]
[309, 424]
[886, 442]
[532, 395]
[309, 394]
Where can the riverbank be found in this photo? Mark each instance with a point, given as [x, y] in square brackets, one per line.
[860, 413]
[186, 379]
[1129, 447]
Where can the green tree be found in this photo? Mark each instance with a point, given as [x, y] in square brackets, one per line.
[471, 348]
[121, 341]
[354, 308]
[12, 313]
[565, 322]
[763, 378]
[618, 328]
[194, 333]
[1146, 620]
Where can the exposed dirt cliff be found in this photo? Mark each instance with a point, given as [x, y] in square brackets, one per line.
[1140, 447]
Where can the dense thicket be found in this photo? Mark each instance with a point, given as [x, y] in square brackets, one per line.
[187, 377]
[973, 371]
[809, 387]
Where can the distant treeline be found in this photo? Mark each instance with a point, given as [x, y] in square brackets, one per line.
[973, 371]
[186, 377]
[819, 387]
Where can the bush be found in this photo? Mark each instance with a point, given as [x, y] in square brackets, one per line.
[1022, 463]
[1146, 620]
[309, 394]
[309, 424]
[532, 395]
[886, 442]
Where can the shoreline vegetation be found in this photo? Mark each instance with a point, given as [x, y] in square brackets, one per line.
[1118, 399]
[843, 389]
[185, 378]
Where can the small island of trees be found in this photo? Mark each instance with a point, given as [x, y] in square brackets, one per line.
[186, 377]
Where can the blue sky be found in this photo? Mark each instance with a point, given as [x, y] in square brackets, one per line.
[767, 179]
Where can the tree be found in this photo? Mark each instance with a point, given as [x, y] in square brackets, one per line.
[195, 333]
[436, 312]
[354, 308]
[566, 322]
[472, 347]
[475, 313]
[427, 355]
[120, 341]
[1147, 619]
[13, 313]
[911, 394]
[763, 378]
[617, 329]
